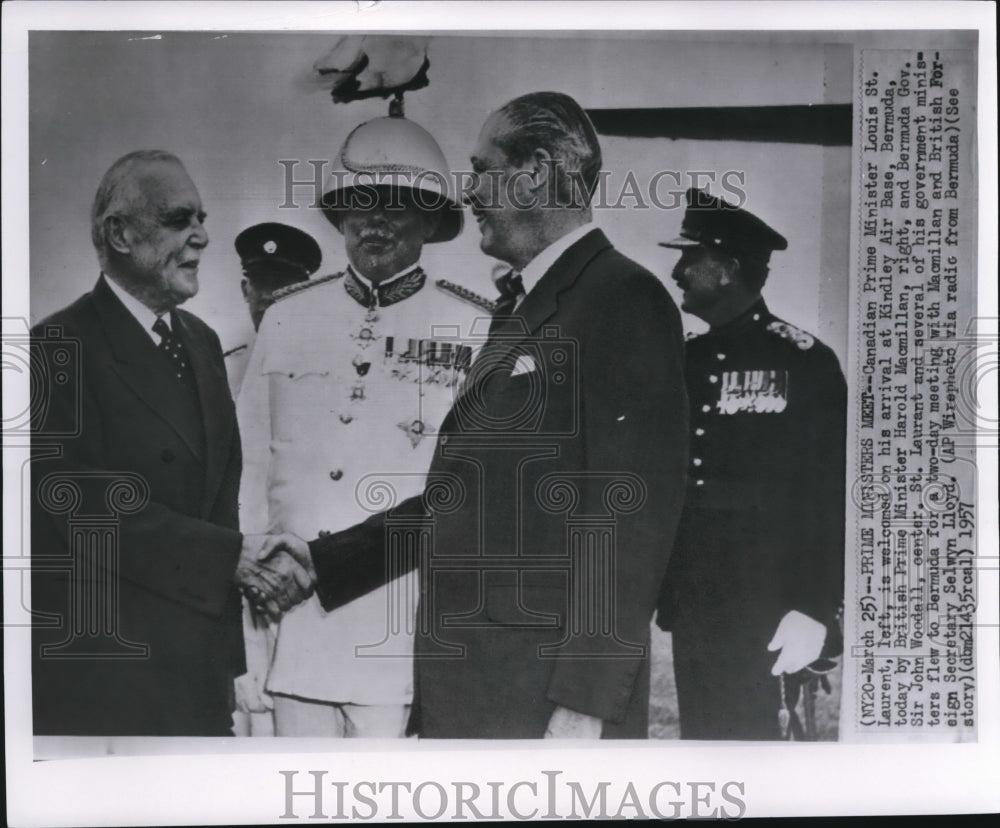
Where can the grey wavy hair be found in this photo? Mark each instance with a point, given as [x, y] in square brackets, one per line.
[115, 197]
[553, 121]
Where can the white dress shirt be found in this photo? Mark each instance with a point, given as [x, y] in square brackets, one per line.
[536, 268]
[143, 315]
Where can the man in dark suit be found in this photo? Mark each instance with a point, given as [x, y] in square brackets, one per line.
[135, 477]
[757, 573]
[557, 480]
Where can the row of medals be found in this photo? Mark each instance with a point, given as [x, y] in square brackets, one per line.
[365, 337]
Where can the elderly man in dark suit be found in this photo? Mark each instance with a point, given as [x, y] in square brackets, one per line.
[557, 481]
[135, 543]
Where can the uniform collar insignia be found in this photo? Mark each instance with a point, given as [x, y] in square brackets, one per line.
[358, 290]
[387, 293]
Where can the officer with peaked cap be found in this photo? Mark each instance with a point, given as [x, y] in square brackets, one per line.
[755, 580]
[349, 379]
[273, 256]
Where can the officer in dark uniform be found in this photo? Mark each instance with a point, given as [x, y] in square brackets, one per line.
[755, 580]
[274, 256]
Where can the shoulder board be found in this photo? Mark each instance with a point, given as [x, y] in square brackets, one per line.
[804, 341]
[298, 287]
[238, 349]
[466, 295]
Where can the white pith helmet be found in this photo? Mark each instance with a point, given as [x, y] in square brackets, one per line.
[394, 152]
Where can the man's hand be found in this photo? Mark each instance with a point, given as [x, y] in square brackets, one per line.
[568, 724]
[800, 639]
[273, 579]
[294, 546]
[246, 567]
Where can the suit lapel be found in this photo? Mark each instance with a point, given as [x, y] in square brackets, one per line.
[542, 302]
[140, 366]
[213, 392]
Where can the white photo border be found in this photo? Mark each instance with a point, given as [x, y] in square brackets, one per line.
[231, 785]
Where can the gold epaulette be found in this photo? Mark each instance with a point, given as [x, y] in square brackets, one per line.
[801, 338]
[298, 287]
[464, 293]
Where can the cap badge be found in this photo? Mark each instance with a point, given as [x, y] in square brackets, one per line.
[270, 246]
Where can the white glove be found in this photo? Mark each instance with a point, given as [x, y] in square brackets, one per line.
[259, 638]
[800, 639]
[392, 61]
[568, 724]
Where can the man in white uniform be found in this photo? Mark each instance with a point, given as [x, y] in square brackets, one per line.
[350, 376]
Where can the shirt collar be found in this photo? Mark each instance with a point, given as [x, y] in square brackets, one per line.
[397, 287]
[536, 268]
[143, 315]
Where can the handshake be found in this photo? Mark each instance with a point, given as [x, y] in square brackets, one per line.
[275, 572]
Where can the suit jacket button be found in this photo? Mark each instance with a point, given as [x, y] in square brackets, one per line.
[336, 474]
[167, 456]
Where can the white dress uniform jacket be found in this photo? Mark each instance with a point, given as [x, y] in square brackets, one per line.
[237, 359]
[345, 390]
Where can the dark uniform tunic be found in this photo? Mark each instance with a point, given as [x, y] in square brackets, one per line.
[762, 531]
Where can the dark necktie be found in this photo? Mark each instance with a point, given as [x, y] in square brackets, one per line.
[174, 350]
[511, 288]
